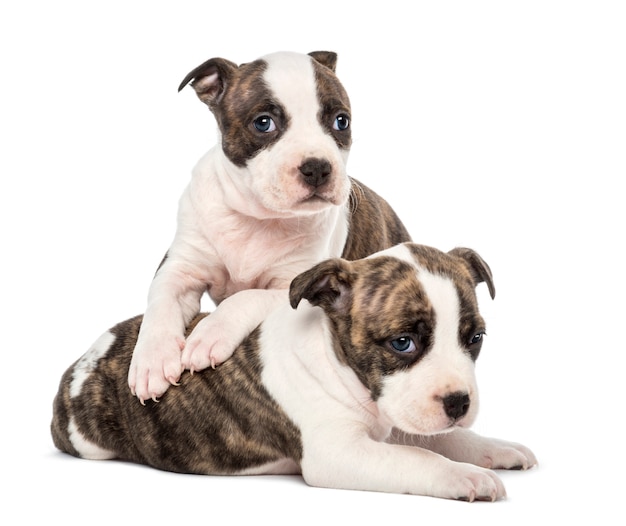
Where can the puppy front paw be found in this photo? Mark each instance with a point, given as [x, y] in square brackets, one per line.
[469, 483]
[501, 454]
[463, 445]
[211, 343]
[155, 366]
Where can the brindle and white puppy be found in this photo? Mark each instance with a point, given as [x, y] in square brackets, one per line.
[367, 384]
[270, 200]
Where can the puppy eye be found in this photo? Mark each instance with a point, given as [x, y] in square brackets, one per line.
[264, 124]
[475, 343]
[477, 338]
[342, 122]
[404, 344]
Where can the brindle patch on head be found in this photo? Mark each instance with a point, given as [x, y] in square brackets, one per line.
[247, 98]
[456, 269]
[388, 303]
[334, 104]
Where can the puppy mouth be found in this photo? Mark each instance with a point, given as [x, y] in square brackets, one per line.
[452, 425]
[317, 200]
[304, 200]
[428, 428]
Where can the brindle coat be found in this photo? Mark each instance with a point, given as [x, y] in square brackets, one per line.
[193, 429]
[224, 421]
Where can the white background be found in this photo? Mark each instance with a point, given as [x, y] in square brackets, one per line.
[498, 125]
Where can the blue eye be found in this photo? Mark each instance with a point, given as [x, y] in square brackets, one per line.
[403, 344]
[477, 338]
[342, 122]
[264, 124]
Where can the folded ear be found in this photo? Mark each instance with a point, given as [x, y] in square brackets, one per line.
[328, 285]
[325, 58]
[477, 266]
[210, 80]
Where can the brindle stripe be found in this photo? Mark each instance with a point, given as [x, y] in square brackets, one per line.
[333, 100]
[374, 226]
[372, 321]
[218, 421]
[61, 409]
[388, 302]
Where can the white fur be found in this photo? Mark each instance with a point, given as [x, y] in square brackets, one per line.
[342, 429]
[412, 398]
[281, 189]
[351, 442]
[301, 370]
[238, 229]
[400, 442]
[83, 368]
[87, 363]
[285, 466]
[85, 448]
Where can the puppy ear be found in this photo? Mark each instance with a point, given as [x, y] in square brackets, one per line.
[328, 285]
[210, 80]
[325, 58]
[477, 266]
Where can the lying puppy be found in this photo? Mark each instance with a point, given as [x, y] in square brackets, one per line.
[270, 200]
[379, 344]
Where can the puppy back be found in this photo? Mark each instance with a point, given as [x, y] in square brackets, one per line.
[220, 421]
[373, 224]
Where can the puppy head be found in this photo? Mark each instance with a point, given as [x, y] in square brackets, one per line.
[406, 321]
[285, 124]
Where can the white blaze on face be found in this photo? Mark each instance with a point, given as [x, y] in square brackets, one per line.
[412, 399]
[291, 78]
[277, 179]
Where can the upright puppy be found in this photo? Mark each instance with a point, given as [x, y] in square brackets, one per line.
[267, 202]
[382, 344]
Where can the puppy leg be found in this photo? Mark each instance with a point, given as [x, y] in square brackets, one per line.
[216, 337]
[377, 466]
[174, 298]
[463, 445]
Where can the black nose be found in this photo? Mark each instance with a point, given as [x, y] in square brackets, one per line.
[456, 405]
[315, 172]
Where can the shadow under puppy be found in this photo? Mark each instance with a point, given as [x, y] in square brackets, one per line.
[366, 381]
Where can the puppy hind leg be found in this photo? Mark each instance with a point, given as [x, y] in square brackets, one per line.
[61, 411]
[64, 428]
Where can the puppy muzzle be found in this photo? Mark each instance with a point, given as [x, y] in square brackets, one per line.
[456, 405]
[315, 172]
